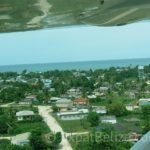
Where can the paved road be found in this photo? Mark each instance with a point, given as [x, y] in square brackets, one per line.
[54, 126]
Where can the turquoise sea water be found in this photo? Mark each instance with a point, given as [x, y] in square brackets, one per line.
[76, 65]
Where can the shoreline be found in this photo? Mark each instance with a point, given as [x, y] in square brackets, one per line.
[79, 65]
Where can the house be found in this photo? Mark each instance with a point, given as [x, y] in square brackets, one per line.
[28, 100]
[108, 119]
[21, 139]
[131, 107]
[20, 79]
[53, 100]
[143, 143]
[99, 109]
[74, 92]
[81, 101]
[73, 115]
[52, 90]
[64, 104]
[92, 96]
[47, 83]
[144, 102]
[104, 89]
[24, 115]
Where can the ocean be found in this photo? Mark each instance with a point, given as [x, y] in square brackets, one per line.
[86, 65]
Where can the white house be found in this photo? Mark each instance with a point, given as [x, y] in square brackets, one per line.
[131, 107]
[91, 96]
[73, 115]
[24, 115]
[109, 119]
[99, 109]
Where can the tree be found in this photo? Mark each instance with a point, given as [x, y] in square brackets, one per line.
[146, 118]
[58, 138]
[53, 140]
[117, 109]
[93, 119]
[55, 108]
[36, 140]
[4, 124]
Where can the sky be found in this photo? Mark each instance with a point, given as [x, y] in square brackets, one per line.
[75, 44]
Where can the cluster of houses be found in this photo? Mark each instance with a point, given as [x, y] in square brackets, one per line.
[79, 108]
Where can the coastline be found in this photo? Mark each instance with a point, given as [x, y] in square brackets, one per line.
[79, 65]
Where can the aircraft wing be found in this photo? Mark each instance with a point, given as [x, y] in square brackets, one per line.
[23, 15]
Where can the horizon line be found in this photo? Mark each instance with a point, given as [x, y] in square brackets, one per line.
[84, 61]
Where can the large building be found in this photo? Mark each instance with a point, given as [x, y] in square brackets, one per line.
[73, 115]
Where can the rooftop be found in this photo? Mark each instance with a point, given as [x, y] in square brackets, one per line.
[25, 113]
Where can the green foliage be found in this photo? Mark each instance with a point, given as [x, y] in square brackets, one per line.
[146, 118]
[117, 109]
[6, 145]
[55, 108]
[93, 119]
[36, 141]
[100, 141]
[5, 124]
[22, 127]
[58, 138]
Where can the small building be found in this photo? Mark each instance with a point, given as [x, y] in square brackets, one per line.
[28, 100]
[73, 115]
[81, 101]
[24, 115]
[131, 107]
[144, 102]
[108, 119]
[74, 92]
[92, 96]
[64, 104]
[21, 139]
[104, 89]
[99, 109]
[53, 100]
[47, 83]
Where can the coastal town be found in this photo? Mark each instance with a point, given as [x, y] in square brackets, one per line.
[62, 109]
